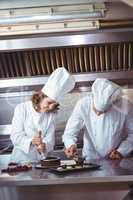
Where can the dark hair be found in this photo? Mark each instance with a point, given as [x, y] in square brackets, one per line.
[37, 98]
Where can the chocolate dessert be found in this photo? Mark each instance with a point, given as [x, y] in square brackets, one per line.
[51, 161]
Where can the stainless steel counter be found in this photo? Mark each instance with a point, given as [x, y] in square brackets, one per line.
[109, 172]
[112, 177]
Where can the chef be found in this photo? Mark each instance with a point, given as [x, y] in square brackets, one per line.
[33, 128]
[107, 119]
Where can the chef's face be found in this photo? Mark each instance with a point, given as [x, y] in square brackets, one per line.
[48, 105]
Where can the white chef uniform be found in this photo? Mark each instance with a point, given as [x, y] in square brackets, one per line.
[111, 130]
[27, 122]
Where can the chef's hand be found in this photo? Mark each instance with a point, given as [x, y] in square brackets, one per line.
[71, 151]
[115, 155]
[41, 148]
[37, 140]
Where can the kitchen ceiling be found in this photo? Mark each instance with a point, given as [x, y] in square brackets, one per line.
[74, 16]
[5, 4]
[32, 17]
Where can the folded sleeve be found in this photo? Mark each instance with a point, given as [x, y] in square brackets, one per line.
[74, 125]
[18, 135]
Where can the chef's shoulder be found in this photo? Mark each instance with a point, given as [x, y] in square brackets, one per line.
[125, 106]
[129, 106]
[22, 107]
[84, 102]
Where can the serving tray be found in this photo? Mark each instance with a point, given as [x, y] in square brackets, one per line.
[74, 168]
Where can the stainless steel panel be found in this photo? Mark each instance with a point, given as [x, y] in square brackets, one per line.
[65, 192]
[8, 105]
[5, 129]
[112, 174]
[87, 58]
[67, 40]
[24, 83]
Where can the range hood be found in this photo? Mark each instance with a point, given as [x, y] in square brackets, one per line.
[26, 54]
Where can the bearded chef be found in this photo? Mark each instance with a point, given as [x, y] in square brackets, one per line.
[33, 128]
[107, 119]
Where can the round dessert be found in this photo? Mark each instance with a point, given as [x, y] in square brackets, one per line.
[51, 161]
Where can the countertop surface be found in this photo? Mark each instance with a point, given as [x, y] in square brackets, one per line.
[109, 172]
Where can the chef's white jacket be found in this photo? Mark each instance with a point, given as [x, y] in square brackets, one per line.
[111, 130]
[25, 124]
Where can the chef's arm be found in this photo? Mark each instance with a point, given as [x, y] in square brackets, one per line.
[49, 139]
[73, 127]
[126, 145]
[18, 136]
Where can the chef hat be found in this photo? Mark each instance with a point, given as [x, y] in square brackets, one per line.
[105, 93]
[59, 83]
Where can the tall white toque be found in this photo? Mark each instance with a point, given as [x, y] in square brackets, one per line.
[105, 93]
[59, 83]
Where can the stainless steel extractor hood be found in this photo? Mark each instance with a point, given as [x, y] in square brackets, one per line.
[78, 49]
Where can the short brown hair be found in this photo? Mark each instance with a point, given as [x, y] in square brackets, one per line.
[37, 98]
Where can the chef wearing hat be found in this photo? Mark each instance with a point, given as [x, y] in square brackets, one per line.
[33, 126]
[107, 119]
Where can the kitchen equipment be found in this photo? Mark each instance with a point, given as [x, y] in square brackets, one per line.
[43, 155]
